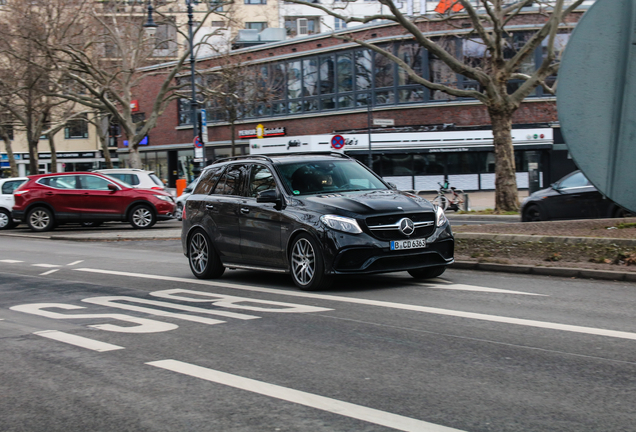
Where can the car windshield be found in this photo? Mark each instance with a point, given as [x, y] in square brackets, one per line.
[315, 177]
[118, 181]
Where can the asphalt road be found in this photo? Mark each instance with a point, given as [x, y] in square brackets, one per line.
[119, 336]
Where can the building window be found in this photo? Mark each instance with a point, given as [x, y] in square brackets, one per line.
[339, 24]
[301, 26]
[77, 128]
[260, 26]
[247, 2]
[218, 23]
[166, 38]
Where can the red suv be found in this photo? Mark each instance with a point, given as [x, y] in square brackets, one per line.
[47, 200]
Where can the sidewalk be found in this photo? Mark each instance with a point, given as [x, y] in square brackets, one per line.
[479, 200]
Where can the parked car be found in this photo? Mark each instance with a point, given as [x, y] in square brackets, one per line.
[184, 196]
[137, 178]
[47, 200]
[7, 186]
[572, 197]
[314, 216]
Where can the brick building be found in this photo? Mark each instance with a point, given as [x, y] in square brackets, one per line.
[324, 85]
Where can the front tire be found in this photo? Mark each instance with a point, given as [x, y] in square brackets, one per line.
[307, 265]
[6, 221]
[40, 219]
[142, 217]
[428, 272]
[179, 211]
[532, 214]
[204, 261]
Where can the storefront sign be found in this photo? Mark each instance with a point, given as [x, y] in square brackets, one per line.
[77, 155]
[266, 132]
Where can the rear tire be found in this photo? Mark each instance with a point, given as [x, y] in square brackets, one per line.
[142, 217]
[307, 265]
[179, 212]
[40, 219]
[204, 261]
[6, 221]
[428, 272]
[622, 213]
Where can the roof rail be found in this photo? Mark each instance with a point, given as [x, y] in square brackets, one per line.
[242, 157]
[318, 153]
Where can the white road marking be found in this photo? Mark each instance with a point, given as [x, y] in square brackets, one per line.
[49, 272]
[335, 406]
[78, 341]
[11, 261]
[46, 265]
[144, 325]
[378, 303]
[75, 263]
[462, 287]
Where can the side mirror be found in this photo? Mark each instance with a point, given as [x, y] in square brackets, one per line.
[392, 185]
[112, 187]
[270, 196]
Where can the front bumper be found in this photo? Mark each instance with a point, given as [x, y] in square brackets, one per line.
[364, 254]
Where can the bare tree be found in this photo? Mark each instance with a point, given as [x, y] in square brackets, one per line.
[5, 126]
[234, 89]
[114, 55]
[28, 75]
[489, 26]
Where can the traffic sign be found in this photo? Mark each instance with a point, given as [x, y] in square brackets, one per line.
[597, 98]
[337, 142]
[197, 142]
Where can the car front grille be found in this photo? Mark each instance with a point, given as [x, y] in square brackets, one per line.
[387, 227]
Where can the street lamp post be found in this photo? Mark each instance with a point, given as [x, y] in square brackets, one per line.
[151, 28]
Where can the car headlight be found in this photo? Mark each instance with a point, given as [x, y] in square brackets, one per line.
[340, 223]
[440, 217]
[164, 198]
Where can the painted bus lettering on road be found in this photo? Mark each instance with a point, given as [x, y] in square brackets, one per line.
[145, 325]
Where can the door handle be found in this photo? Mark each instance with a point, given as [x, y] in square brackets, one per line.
[209, 206]
[48, 193]
[245, 210]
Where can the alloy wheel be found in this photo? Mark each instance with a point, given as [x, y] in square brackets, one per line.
[5, 220]
[40, 219]
[303, 261]
[142, 217]
[199, 252]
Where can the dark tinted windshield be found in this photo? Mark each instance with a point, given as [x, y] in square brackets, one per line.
[313, 177]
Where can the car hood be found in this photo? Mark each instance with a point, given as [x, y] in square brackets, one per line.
[367, 203]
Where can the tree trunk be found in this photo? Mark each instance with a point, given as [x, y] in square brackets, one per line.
[13, 167]
[33, 156]
[133, 157]
[103, 140]
[53, 154]
[506, 194]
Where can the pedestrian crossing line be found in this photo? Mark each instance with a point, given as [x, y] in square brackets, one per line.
[79, 341]
[8, 261]
[323, 403]
[378, 303]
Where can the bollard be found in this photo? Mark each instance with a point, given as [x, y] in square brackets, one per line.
[466, 203]
[181, 185]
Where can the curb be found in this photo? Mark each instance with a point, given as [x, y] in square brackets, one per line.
[546, 271]
[545, 239]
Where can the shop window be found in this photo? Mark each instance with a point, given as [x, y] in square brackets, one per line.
[429, 163]
[77, 128]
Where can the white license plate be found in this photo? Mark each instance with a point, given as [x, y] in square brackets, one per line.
[408, 244]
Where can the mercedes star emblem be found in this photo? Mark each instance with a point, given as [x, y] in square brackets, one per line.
[406, 226]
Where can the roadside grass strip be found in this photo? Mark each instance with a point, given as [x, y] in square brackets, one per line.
[335, 406]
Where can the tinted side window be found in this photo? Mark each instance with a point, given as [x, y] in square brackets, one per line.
[261, 179]
[131, 179]
[576, 180]
[9, 186]
[230, 182]
[60, 182]
[93, 182]
[208, 180]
